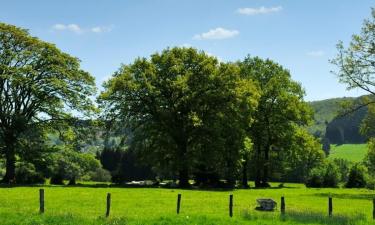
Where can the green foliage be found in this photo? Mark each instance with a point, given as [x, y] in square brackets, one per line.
[27, 174]
[326, 146]
[344, 168]
[40, 86]
[280, 110]
[346, 129]
[324, 112]
[370, 157]
[71, 165]
[357, 176]
[100, 175]
[304, 154]
[326, 175]
[184, 110]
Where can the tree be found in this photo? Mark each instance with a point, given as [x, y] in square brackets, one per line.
[324, 175]
[280, 109]
[39, 86]
[303, 154]
[356, 63]
[178, 105]
[326, 146]
[70, 164]
[370, 157]
[356, 177]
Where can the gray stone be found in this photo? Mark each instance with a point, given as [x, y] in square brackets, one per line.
[266, 204]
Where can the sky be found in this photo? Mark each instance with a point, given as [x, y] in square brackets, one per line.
[300, 35]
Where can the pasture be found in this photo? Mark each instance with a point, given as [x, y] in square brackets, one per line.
[87, 205]
[351, 152]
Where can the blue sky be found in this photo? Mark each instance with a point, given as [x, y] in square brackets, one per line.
[300, 35]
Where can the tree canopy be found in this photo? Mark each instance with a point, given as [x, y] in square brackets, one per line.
[184, 109]
[280, 109]
[40, 86]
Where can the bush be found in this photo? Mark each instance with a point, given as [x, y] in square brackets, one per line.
[344, 168]
[331, 176]
[370, 184]
[357, 177]
[100, 175]
[26, 174]
[326, 175]
[315, 178]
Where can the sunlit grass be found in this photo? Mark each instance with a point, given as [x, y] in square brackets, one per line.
[351, 152]
[86, 205]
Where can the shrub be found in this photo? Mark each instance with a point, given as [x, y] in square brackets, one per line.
[357, 177]
[331, 176]
[27, 174]
[326, 175]
[315, 178]
[370, 184]
[344, 168]
[100, 175]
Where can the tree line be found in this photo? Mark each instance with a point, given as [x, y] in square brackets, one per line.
[178, 114]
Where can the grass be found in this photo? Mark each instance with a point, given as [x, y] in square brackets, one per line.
[86, 205]
[351, 152]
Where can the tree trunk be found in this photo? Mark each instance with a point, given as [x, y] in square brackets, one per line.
[184, 178]
[184, 169]
[265, 168]
[258, 176]
[10, 157]
[245, 183]
[72, 181]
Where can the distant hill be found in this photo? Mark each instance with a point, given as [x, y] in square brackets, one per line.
[339, 130]
[324, 112]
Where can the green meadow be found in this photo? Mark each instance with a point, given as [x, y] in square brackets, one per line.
[87, 205]
[351, 152]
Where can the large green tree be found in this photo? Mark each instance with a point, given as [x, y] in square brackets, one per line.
[39, 86]
[281, 108]
[181, 106]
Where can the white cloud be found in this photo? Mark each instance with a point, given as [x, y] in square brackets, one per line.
[260, 10]
[78, 30]
[101, 29]
[217, 33]
[69, 27]
[317, 53]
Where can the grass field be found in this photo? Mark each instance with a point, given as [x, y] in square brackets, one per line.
[351, 152]
[86, 205]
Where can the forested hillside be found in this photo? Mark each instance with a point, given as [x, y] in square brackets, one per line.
[328, 122]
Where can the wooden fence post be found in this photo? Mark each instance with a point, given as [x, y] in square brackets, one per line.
[282, 205]
[108, 204]
[41, 200]
[330, 208]
[231, 205]
[178, 203]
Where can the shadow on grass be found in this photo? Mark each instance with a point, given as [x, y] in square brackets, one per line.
[308, 218]
[112, 185]
[346, 196]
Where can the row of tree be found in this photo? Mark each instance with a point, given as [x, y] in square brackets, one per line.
[193, 117]
[178, 114]
[188, 115]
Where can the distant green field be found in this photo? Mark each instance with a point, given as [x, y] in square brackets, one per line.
[86, 205]
[351, 152]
